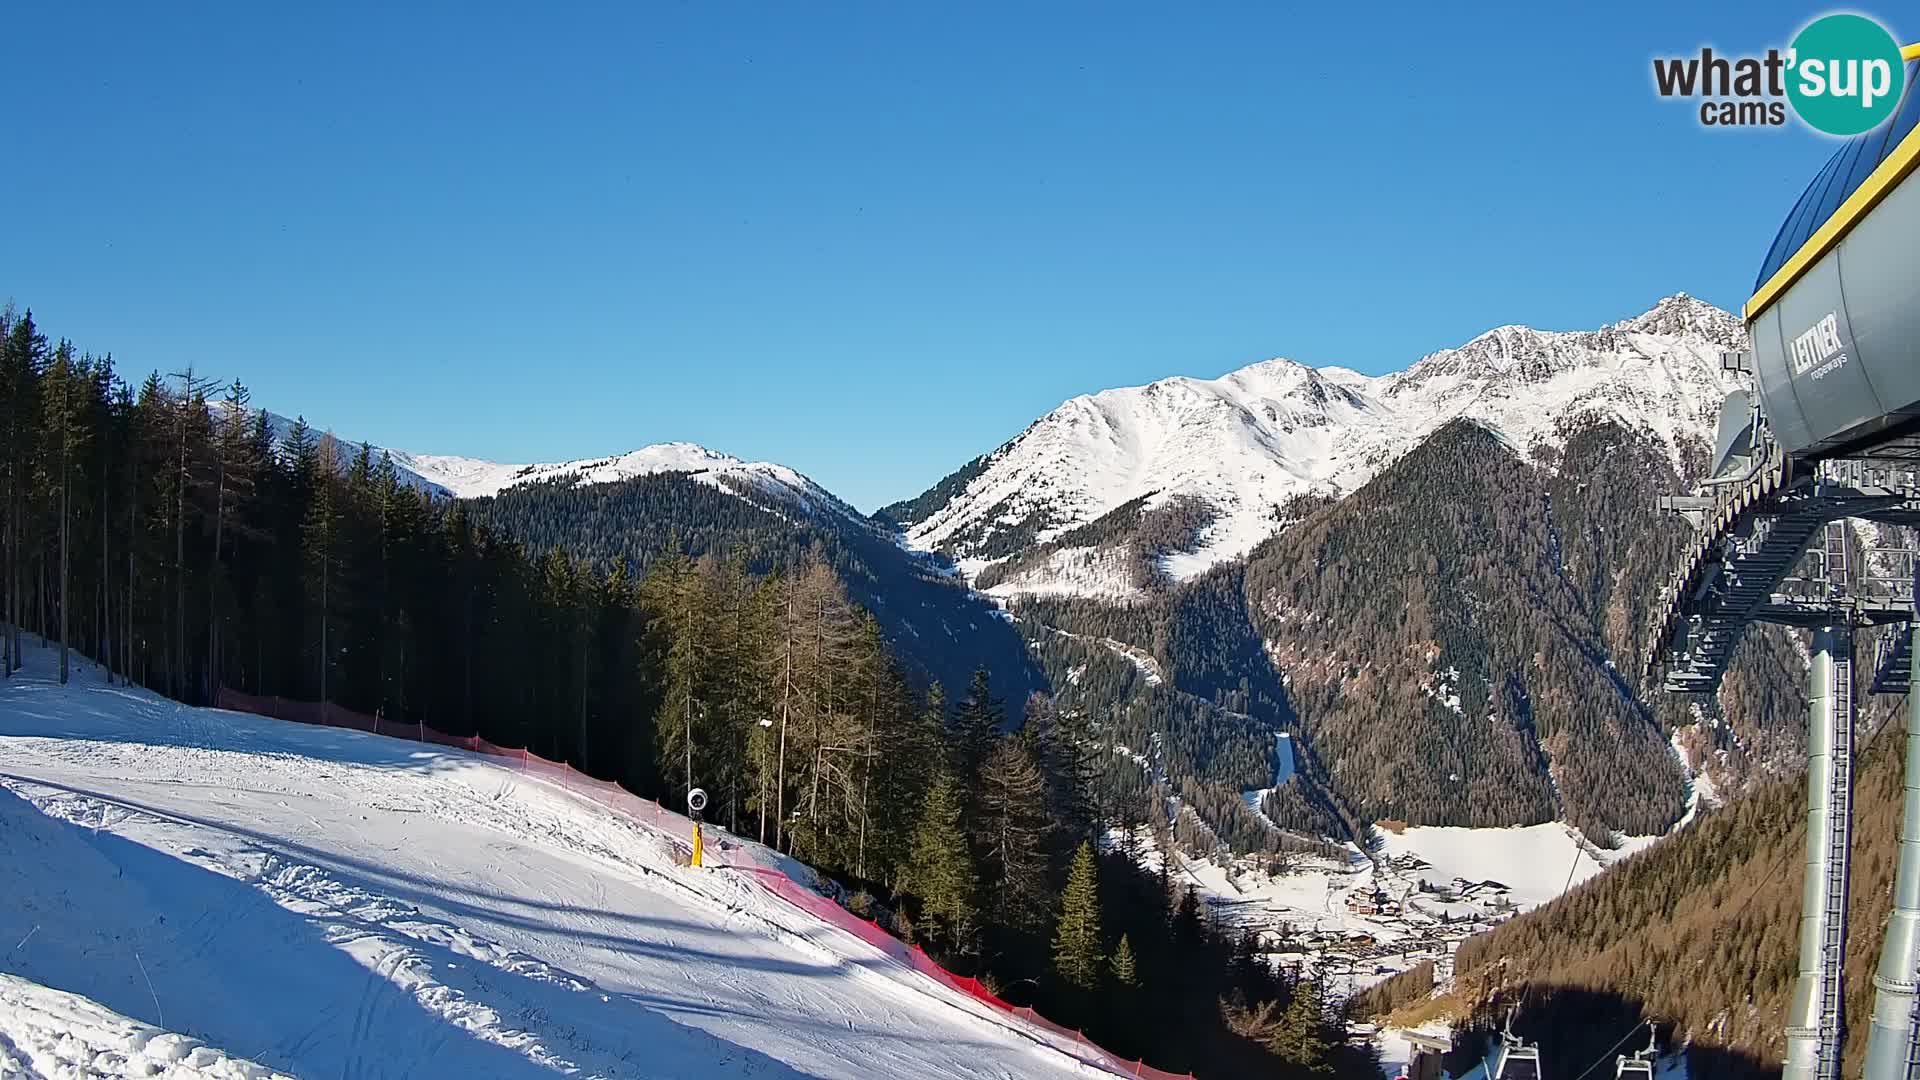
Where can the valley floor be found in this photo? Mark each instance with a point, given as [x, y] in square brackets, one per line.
[327, 903]
[1481, 876]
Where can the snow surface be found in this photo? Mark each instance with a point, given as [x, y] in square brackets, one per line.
[1283, 769]
[1536, 862]
[1248, 440]
[1396, 1051]
[1100, 573]
[45, 1032]
[1307, 904]
[329, 903]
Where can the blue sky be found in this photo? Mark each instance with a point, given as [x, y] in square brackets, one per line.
[868, 241]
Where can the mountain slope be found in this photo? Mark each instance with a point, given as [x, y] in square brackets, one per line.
[1699, 932]
[458, 477]
[333, 903]
[1243, 444]
[937, 626]
[1446, 645]
[471, 478]
[1445, 664]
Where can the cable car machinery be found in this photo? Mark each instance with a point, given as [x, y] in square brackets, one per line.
[1832, 433]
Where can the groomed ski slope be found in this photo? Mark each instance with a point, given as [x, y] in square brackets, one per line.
[326, 903]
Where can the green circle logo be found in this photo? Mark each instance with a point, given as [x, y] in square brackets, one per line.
[1846, 74]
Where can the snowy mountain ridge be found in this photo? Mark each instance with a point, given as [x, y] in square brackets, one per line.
[1250, 439]
[766, 484]
[471, 478]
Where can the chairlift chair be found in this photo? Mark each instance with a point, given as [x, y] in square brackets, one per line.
[1519, 1060]
[1640, 1062]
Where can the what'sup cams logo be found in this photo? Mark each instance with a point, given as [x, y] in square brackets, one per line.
[1842, 75]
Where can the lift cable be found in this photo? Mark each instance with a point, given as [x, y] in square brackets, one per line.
[1610, 1050]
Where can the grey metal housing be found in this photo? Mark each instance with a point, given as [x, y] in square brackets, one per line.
[1822, 401]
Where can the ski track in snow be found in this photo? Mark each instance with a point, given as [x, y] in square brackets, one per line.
[328, 903]
[46, 1032]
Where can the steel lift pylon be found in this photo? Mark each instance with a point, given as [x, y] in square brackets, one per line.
[1766, 517]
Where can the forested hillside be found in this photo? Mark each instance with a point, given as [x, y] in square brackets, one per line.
[940, 630]
[1699, 933]
[166, 535]
[1443, 651]
[1179, 679]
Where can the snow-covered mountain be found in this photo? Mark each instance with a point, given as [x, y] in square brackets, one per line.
[470, 478]
[1247, 441]
[764, 483]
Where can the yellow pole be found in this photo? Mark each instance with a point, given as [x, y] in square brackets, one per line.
[696, 843]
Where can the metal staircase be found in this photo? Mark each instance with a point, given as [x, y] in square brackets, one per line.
[1750, 538]
[1893, 666]
[1735, 593]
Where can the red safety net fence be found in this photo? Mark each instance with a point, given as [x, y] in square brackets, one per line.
[760, 864]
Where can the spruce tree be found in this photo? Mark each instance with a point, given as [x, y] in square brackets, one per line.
[1013, 830]
[321, 543]
[1077, 950]
[1187, 924]
[63, 430]
[1063, 741]
[911, 753]
[678, 602]
[977, 725]
[21, 361]
[1125, 971]
[1298, 1038]
[234, 478]
[940, 869]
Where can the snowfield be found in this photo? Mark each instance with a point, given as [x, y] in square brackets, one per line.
[320, 902]
[46, 1032]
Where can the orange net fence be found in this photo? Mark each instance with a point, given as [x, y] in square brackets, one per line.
[764, 868]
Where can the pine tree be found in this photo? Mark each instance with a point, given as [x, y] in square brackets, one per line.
[321, 536]
[63, 432]
[1299, 1037]
[1188, 927]
[21, 360]
[1077, 949]
[1064, 743]
[1014, 828]
[234, 468]
[1125, 972]
[940, 868]
[977, 725]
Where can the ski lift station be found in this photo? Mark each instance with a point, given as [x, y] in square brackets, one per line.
[1831, 432]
